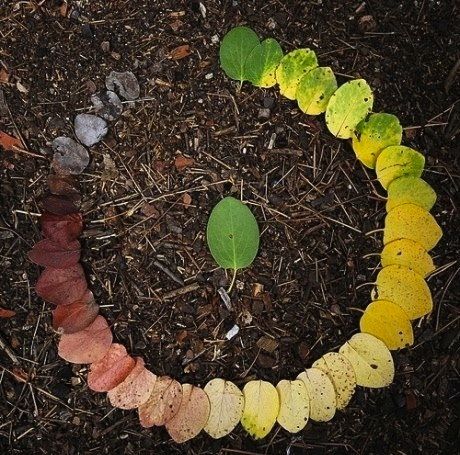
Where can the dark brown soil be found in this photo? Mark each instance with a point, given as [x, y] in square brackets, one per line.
[313, 200]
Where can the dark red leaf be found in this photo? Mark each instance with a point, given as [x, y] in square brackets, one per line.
[51, 254]
[64, 185]
[62, 229]
[59, 205]
[62, 286]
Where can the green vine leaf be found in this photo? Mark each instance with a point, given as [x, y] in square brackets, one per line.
[262, 62]
[235, 48]
[232, 234]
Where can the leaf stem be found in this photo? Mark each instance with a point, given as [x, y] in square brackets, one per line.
[233, 281]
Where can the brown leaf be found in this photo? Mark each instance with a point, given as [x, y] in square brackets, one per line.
[4, 76]
[88, 345]
[63, 185]
[20, 375]
[9, 142]
[181, 162]
[5, 313]
[59, 205]
[187, 200]
[51, 254]
[61, 229]
[180, 52]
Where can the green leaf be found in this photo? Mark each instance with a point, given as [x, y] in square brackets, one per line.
[292, 68]
[262, 62]
[235, 48]
[348, 106]
[232, 234]
[375, 133]
[410, 190]
[315, 89]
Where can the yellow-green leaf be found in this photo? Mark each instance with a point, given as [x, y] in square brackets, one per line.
[373, 134]
[370, 359]
[389, 323]
[261, 407]
[348, 105]
[315, 89]
[340, 371]
[405, 288]
[323, 400]
[294, 405]
[262, 62]
[408, 253]
[410, 190]
[409, 221]
[227, 403]
[292, 68]
[397, 161]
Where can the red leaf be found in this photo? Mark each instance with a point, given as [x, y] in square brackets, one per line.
[135, 389]
[62, 286]
[62, 229]
[76, 316]
[87, 346]
[59, 205]
[111, 370]
[5, 313]
[9, 142]
[50, 254]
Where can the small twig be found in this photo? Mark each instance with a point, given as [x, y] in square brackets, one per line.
[8, 351]
[168, 272]
[181, 291]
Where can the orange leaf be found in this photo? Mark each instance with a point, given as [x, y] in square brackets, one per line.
[88, 345]
[181, 162]
[163, 403]
[5, 313]
[192, 415]
[50, 254]
[111, 370]
[180, 52]
[135, 389]
[9, 142]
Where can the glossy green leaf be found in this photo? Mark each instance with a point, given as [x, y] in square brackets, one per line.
[410, 190]
[315, 89]
[232, 234]
[375, 133]
[235, 48]
[262, 62]
[292, 68]
[348, 105]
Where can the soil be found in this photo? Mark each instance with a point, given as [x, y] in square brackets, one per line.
[315, 204]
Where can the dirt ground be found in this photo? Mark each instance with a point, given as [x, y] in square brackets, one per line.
[314, 203]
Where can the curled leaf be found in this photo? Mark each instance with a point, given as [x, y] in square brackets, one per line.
[61, 229]
[111, 370]
[50, 254]
[135, 389]
[262, 62]
[294, 405]
[88, 345]
[410, 190]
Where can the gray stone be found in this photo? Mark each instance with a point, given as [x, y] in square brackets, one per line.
[90, 129]
[124, 83]
[107, 105]
[69, 157]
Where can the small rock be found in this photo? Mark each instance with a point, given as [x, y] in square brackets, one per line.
[70, 157]
[90, 129]
[107, 105]
[367, 24]
[105, 46]
[264, 113]
[125, 83]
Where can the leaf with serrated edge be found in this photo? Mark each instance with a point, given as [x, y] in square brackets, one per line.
[294, 405]
[410, 190]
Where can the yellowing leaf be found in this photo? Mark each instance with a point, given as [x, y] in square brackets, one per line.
[262, 62]
[227, 404]
[408, 253]
[323, 401]
[261, 407]
[405, 288]
[340, 371]
[397, 161]
[373, 134]
[389, 323]
[370, 359]
[291, 69]
[411, 222]
[410, 190]
[192, 415]
[294, 405]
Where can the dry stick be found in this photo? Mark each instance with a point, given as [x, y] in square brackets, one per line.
[8, 351]
[181, 291]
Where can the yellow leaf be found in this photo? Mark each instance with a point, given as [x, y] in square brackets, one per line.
[410, 190]
[340, 371]
[261, 407]
[370, 359]
[227, 403]
[389, 323]
[409, 221]
[405, 288]
[294, 405]
[323, 401]
[409, 254]
[396, 161]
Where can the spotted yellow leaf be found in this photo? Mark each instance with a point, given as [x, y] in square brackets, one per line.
[389, 323]
[340, 371]
[397, 161]
[410, 190]
[261, 408]
[405, 288]
[294, 405]
[323, 401]
[409, 221]
[370, 359]
[292, 68]
[408, 253]
[373, 134]
[315, 89]
[227, 403]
